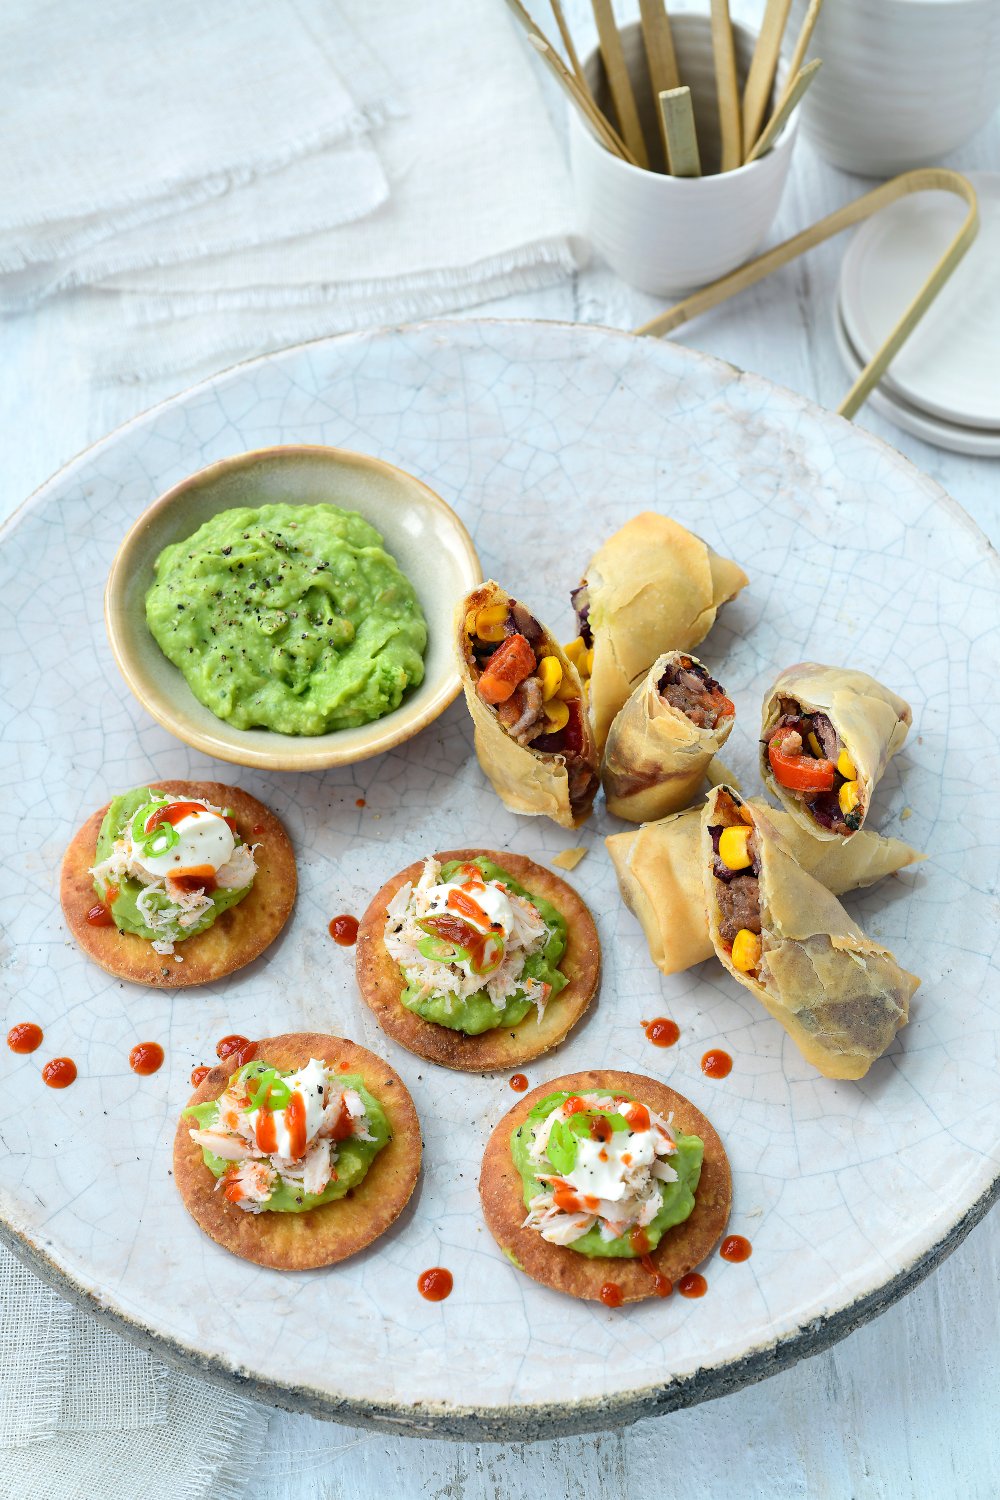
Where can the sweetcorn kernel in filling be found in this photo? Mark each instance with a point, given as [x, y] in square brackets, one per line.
[603, 1174]
[476, 950]
[288, 1140]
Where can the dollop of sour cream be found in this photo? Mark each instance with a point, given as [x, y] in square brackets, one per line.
[203, 839]
[606, 1169]
[310, 1083]
[491, 900]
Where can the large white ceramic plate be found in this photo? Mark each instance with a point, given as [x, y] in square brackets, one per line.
[544, 438]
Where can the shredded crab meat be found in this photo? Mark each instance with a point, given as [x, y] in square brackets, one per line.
[528, 935]
[253, 1175]
[640, 1171]
[168, 910]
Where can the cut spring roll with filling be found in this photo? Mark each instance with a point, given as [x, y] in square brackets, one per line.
[660, 877]
[532, 736]
[840, 996]
[652, 587]
[662, 741]
[827, 734]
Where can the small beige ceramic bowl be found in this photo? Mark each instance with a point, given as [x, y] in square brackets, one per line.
[421, 532]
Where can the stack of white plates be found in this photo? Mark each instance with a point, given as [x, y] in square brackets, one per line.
[944, 384]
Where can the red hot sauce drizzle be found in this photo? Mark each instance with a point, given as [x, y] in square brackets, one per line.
[716, 1064]
[611, 1294]
[236, 1050]
[435, 1284]
[199, 1074]
[692, 1285]
[59, 1073]
[661, 1031]
[344, 930]
[24, 1037]
[518, 1083]
[146, 1058]
[735, 1248]
[100, 915]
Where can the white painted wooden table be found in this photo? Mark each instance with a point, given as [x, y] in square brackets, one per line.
[906, 1406]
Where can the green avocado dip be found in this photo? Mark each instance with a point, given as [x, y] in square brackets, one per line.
[677, 1198]
[292, 618]
[353, 1156]
[122, 831]
[473, 1014]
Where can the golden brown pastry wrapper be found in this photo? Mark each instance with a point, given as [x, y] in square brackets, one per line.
[653, 586]
[656, 759]
[840, 996]
[527, 781]
[659, 871]
[872, 723]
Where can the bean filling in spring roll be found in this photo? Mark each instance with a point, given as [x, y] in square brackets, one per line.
[840, 996]
[532, 735]
[826, 737]
[662, 741]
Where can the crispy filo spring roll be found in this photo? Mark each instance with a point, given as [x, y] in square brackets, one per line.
[652, 587]
[827, 734]
[662, 741]
[532, 736]
[660, 876]
[840, 996]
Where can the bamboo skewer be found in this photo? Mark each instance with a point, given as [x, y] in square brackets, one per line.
[923, 179]
[803, 39]
[760, 78]
[727, 88]
[680, 137]
[567, 41]
[619, 81]
[660, 56]
[598, 125]
[787, 103]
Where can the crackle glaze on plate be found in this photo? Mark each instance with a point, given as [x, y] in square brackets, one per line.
[544, 438]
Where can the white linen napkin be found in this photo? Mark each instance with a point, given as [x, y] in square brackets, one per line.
[85, 1414]
[479, 203]
[121, 113]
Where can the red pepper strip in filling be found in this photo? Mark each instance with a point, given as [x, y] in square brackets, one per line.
[799, 773]
[509, 665]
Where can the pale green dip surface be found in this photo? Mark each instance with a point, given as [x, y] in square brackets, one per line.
[289, 617]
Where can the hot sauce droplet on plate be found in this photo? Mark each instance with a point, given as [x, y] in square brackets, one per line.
[344, 930]
[692, 1285]
[661, 1031]
[199, 1074]
[435, 1284]
[24, 1037]
[611, 1294]
[145, 1058]
[662, 1285]
[236, 1050]
[59, 1073]
[360, 802]
[716, 1064]
[734, 1247]
[518, 1083]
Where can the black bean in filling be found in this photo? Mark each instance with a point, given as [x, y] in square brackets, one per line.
[686, 686]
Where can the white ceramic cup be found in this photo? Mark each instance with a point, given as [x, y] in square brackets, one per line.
[668, 235]
[902, 82]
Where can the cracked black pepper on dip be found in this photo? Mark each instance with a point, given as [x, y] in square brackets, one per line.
[289, 617]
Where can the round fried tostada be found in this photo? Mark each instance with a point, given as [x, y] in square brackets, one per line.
[333, 1231]
[381, 982]
[566, 1270]
[236, 937]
